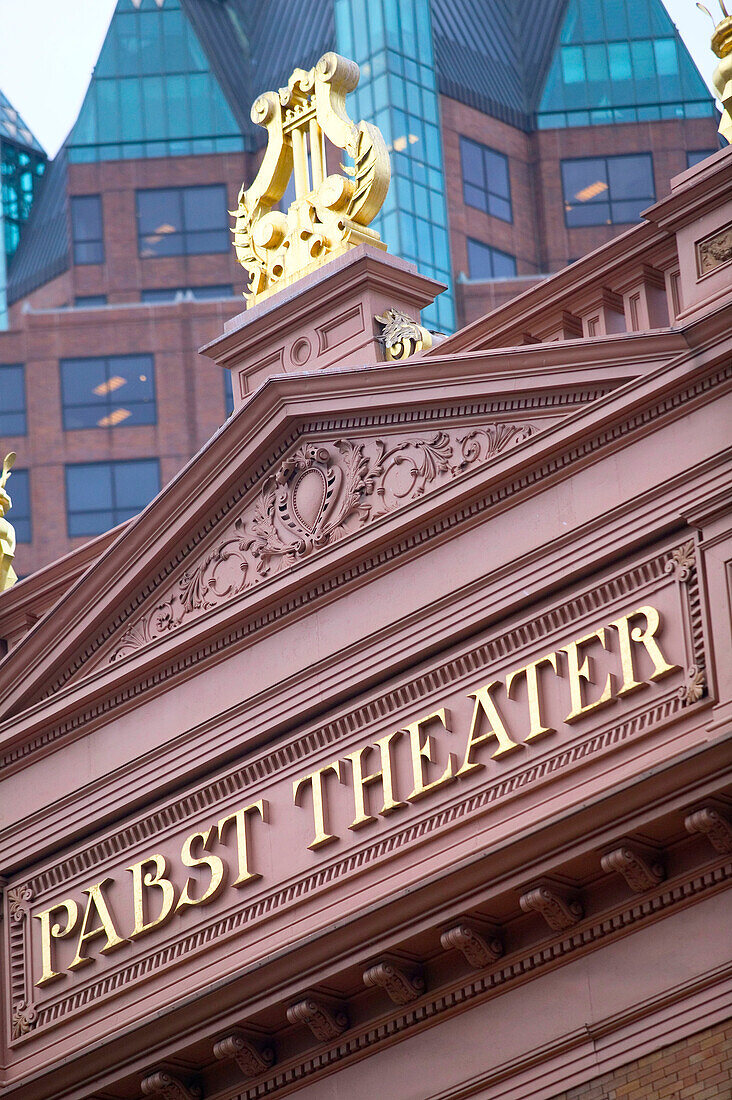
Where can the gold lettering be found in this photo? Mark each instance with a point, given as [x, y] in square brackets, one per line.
[579, 672]
[241, 818]
[214, 863]
[484, 705]
[315, 779]
[54, 931]
[530, 671]
[361, 781]
[96, 907]
[146, 881]
[422, 751]
[661, 667]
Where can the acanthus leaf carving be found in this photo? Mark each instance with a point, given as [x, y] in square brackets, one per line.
[317, 495]
[714, 825]
[559, 908]
[324, 1022]
[168, 1086]
[402, 986]
[695, 687]
[249, 1058]
[18, 898]
[24, 1019]
[478, 949]
[682, 562]
[641, 870]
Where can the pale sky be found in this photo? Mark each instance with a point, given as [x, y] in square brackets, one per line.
[48, 49]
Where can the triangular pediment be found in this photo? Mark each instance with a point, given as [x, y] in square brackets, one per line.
[278, 490]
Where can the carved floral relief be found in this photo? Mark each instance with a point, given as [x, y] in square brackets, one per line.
[320, 493]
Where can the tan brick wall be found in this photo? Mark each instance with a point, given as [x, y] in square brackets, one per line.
[697, 1068]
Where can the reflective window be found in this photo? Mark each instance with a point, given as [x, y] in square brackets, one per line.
[21, 170]
[100, 495]
[18, 489]
[183, 221]
[485, 179]
[86, 301]
[109, 392]
[486, 262]
[12, 400]
[86, 228]
[607, 190]
[228, 393]
[694, 157]
[181, 293]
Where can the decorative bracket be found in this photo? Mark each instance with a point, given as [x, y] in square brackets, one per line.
[478, 948]
[713, 824]
[402, 987]
[238, 1048]
[640, 868]
[682, 562]
[18, 898]
[168, 1087]
[402, 337]
[24, 1019]
[325, 1023]
[559, 908]
[695, 686]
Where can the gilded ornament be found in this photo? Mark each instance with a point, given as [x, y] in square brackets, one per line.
[7, 531]
[402, 337]
[330, 213]
[722, 75]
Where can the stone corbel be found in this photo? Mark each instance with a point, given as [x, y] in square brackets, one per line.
[236, 1047]
[714, 825]
[325, 1023]
[682, 562]
[402, 985]
[168, 1087]
[641, 868]
[480, 948]
[560, 908]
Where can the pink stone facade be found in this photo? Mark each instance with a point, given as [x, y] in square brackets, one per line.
[385, 753]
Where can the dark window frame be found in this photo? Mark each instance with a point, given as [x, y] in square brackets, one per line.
[21, 411]
[107, 406]
[118, 513]
[185, 235]
[81, 243]
[494, 252]
[604, 198]
[491, 193]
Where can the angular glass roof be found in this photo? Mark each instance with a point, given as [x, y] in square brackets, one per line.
[14, 129]
[620, 61]
[152, 93]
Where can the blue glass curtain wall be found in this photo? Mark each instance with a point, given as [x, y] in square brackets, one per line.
[152, 93]
[392, 42]
[620, 61]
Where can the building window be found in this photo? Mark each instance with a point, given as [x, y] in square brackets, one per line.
[228, 393]
[181, 293]
[100, 495]
[12, 400]
[18, 489]
[108, 392]
[88, 301]
[607, 190]
[485, 179]
[86, 226]
[694, 156]
[182, 221]
[485, 262]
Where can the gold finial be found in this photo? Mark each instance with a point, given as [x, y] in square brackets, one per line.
[7, 531]
[722, 75]
[330, 213]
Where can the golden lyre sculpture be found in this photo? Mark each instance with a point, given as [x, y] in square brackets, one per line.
[330, 213]
[7, 531]
[722, 75]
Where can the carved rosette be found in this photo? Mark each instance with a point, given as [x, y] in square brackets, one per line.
[24, 1019]
[695, 687]
[714, 825]
[642, 871]
[325, 1023]
[168, 1087]
[249, 1058]
[478, 950]
[401, 337]
[18, 899]
[560, 909]
[402, 987]
[682, 562]
[319, 494]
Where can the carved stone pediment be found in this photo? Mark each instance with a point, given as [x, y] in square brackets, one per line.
[322, 491]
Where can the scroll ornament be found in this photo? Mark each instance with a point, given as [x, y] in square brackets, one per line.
[330, 213]
[402, 337]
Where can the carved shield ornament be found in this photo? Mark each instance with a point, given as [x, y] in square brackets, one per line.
[330, 213]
